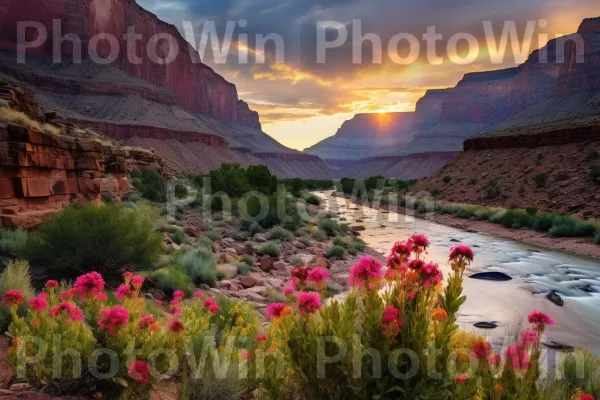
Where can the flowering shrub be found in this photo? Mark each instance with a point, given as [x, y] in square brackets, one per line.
[82, 320]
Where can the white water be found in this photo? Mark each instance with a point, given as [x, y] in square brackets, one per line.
[535, 272]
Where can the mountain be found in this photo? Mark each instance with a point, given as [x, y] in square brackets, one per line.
[535, 92]
[184, 110]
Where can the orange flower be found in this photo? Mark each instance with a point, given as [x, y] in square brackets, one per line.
[411, 276]
[498, 388]
[439, 314]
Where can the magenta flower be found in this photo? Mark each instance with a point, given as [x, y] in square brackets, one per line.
[12, 298]
[72, 310]
[431, 274]
[89, 284]
[178, 295]
[461, 253]
[175, 325]
[540, 318]
[38, 303]
[176, 310]
[123, 292]
[199, 294]
[137, 281]
[51, 284]
[420, 242]
[462, 378]
[481, 349]
[145, 322]
[211, 305]
[300, 277]
[112, 319]
[275, 310]
[517, 357]
[391, 322]
[289, 290]
[528, 337]
[366, 273]
[403, 249]
[308, 302]
[261, 338]
[318, 275]
[139, 371]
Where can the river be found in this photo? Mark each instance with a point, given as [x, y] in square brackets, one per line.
[535, 272]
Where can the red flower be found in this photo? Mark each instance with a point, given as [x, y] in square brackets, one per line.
[175, 325]
[38, 303]
[245, 354]
[127, 276]
[461, 253]
[403, 249]
[288, 290]
[72, 310]
[113, 318]
[462, 378]
[12, 298]
[308, 302]
[517, 357]
[89, 284]
[51, 284]
[391, 322]
[300, 276]
[586, 397]
[540, 318]
[178, 295]
[481, 349]
[139, 371]
[137, 282]
[67, 294]
[199, 294]
[431, 274]
[420, 242]
[318, 275]
[366, 273]
[528, 337]
[261, 338]
[494, 359]
[145, 322]
[123, 292]
[211, 305]
[275, 310]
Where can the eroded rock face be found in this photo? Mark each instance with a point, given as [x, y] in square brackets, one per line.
[197, 87]
[42, 173]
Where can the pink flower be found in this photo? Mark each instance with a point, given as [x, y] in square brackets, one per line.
[300, 276]
[517, 357]
[113, 318]
[288, 291]
[137, 282]
[318, 275]
[245, 354]
[175, 325]
[145, 322]
[211, 305]
[275, 310]
[38, 303]
[261, 338]
[481, 349]
[12, 298]
[178, 295]
[139, 371]
[391, 322]
[72, 310]
[43, 295]
[67, 294]
[528, 337]
[462, 378]
[51, 284]
[101, 297]
[461, 253]
[159, 302]
[494, 359]
[420, 243]
[308, 302]
[366, 274]
[415, 265]
[199, 294]
[431, 274]
[123, 292]
[176, 310]
[127, 276]
[540, 318]
[586, 397]
[89, 284]
[403, 249]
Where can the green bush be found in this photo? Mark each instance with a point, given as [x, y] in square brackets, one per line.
[492, 190]
[541, 180]
[279, 233]
[270, 249]
[86, 238]
[543, 222]
[319, 235]
[11, 241]
[247, 260]
[296, 261]
[567, 226]
[178, 236]
[15, 276]
[497, 217]
[150, 184]
[330, 227]
[180, 191]
[170, 279]
[336, 252]
[213, 235]
[314, 200]
[517, 218]
[447, 179]
[200, 266]
[243, 268]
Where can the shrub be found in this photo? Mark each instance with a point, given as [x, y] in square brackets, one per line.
[567, 226]
[319, 235]
[561, 177]
[336, 252]
[330, 227]
[492, 190]
[200, 266]
[243, 268]
[447, 179]
[279, 233]
[516, 218]
[595, 173]
[541, 180]
[150, 184]
[171, 279]
[14, 277]
[247, 260]
[12, 241]
[497, 217]
[86, 238]
[213, 235]
[180, 191]
[178, 236]
[270, 249]
[296, 261]
[314, 200]
[543, 222]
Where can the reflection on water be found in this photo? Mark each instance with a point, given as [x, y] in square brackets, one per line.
[535, 271]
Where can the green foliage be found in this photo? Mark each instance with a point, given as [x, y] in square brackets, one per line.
[313, 199]
[180, 191]
[178, 236]
[330, 227]
[213, 235]
[336, 252]
[279, 233]
[246, 259]
[87, 238]
[15, 276]
[319, 235]
[296, 261]
[447, 179]
[243, 268]
[230, 179]
[171, 279]
[297, 185]
[260, 179]
[567, 226]
[200, 266]
[11, 241]
[541, 180]
[516, 218]
[543, 222]
[270, 249]
[492, 190]
[150, 184]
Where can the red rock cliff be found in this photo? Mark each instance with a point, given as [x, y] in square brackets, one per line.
[198, 88]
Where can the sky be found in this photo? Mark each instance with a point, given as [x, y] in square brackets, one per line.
[302, 99]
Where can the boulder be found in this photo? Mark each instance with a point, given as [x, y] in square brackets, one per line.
[280, 266]
[240, 249]
[485, 325]
[491, 276]
[260, 237]
[248, 281]
[266, 263]
[357, 228]
[555, 298]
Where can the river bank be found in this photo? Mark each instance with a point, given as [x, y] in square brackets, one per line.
[579, 246]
